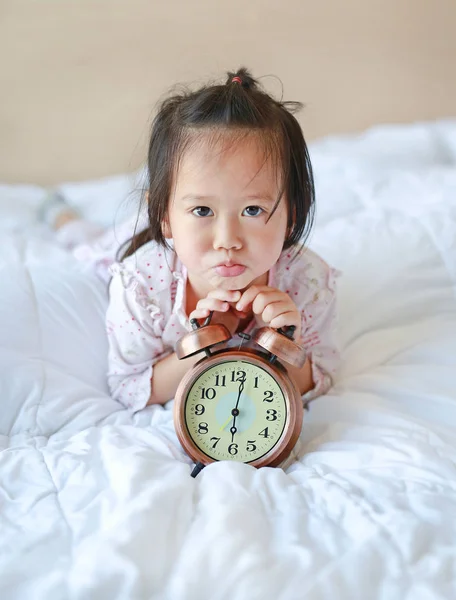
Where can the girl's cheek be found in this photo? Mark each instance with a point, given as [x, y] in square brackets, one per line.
[196, 250]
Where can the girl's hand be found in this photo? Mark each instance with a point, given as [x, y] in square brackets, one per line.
[222, 302]
[271, 307]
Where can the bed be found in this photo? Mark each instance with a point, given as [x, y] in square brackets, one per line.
[97, 502]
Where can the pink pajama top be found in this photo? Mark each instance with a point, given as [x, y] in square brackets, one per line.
[146, 316]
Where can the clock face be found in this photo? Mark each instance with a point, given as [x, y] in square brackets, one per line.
[235, 410]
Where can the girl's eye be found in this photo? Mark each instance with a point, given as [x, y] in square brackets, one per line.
[202, 211]
[253, 211]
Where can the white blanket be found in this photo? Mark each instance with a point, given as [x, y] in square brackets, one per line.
[98, 503]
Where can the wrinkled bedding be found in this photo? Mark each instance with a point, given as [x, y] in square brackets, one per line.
[98, 503]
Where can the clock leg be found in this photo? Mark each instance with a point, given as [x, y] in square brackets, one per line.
[198, 467]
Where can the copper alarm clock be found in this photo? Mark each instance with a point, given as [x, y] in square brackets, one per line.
[238, 404]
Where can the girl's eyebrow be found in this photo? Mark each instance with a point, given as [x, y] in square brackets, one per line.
[263, 197]
[195, 197]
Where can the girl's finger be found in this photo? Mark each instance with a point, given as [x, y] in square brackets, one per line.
[265, 299]
[212, 304]
[225, 295]
[274, 309]
[250, 294]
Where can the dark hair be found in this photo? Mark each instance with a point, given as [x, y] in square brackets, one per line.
[241, 108]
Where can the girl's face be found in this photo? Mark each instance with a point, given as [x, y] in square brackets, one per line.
[218, 216]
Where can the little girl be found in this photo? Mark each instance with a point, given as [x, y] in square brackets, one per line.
[230, 201]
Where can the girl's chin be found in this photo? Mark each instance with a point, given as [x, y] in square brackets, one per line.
[233, 283]
[241, 282]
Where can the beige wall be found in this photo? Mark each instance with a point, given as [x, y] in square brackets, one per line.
[79, 78]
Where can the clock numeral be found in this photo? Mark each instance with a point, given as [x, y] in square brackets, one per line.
[264, 433]
[217, 440]
[256, 382]
[222, 379]
[272, 415]
[251, 446]
[233, 449]
[268, 396]
[208, 394]
[199, 409]
[238, 376]
[203, 428]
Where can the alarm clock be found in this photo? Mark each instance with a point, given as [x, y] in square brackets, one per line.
[238, 404]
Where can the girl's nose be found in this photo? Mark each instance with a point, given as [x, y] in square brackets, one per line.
[227, 234]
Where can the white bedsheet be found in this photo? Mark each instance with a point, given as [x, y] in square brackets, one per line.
[98, 503]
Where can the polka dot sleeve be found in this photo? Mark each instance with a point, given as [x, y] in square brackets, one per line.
[311, 283]
[134, 328]
[319, 337]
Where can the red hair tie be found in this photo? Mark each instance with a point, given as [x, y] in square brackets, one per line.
[236, 80]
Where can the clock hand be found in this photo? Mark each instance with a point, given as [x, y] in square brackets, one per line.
[235, 411]
[241, 387]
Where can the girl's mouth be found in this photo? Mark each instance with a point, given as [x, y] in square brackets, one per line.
[230, 270]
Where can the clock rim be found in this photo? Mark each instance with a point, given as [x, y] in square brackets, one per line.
[293, 402]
